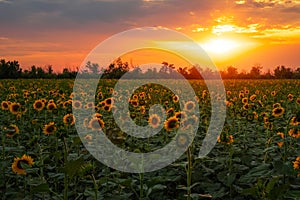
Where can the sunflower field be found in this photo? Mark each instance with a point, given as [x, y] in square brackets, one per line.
[257, 155]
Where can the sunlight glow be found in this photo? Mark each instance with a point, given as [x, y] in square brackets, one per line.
[221, 46]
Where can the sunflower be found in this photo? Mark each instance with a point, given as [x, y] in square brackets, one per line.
[69, 119]
[14, 108]
[294, 133]
[12, 130]
[189, 106]
[190, 121]
[180, 115]
[51, 106]
[276, 105]
[143, 110]
[252, 98]
[49, 128]
[38, 105]
[5, 105]
[281, 135]
[278, 111]
[89, 105]
[182, 140]
[298, 100]
[171, 123]
[175, 98]
[260, 103]
[17, 164]
[107, 108]
[154, 121]
[290, 97]
[76, 104]
[170, 111]
[135, 103]
[228, 93]
[96, 124]
[295, 121]
[142, 102]
[108, 101]
[246, 106]
[245, 100]
[296, 163]
[273, 93]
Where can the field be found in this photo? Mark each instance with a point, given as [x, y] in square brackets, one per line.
[257, 155]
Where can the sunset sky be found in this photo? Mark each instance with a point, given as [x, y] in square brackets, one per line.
[240, 33]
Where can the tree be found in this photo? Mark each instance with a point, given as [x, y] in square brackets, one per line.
[232, 72]
[255, 71]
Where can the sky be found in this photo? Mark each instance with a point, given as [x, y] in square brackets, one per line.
[242, 33]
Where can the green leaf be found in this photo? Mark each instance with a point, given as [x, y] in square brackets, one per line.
[44, 187]
[73, 167]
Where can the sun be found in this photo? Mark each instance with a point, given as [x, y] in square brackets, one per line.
[221, 46]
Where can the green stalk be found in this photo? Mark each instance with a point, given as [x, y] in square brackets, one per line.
[66, 181]
[95, 186]
[141, 185]
[189, 173]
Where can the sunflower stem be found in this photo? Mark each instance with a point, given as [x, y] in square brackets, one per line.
[189, 172]
[66, 183]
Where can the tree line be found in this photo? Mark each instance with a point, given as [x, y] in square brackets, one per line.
[12, 70]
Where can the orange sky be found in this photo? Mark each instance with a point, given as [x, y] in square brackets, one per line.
[241, 33]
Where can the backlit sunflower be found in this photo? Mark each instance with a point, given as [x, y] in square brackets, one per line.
[5, 105]
[281, 135]
[189, 106]
[245, 100]
[294, 133]
[252, 98]
[296, 163]
[273, 93]
[51, 106]
[17, 164]
[154, 121]
[175, 98]
[180, 115]
[298, 100]
[276, 112]
[182, 140]
[276, 105]
[69, 119]
[76, 104]
[290, 97]
[108, 101]
[11, 130]
[14, 108]
[38, 105]
[89, 105]
[171, 123]
[295, 121]
[96, 124]
[49, 128]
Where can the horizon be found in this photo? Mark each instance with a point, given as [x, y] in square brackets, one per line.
[233, 33]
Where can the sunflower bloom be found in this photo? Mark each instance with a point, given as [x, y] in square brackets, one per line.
[171, 123]
[5, 105]
[39, 105]
[281, 135]
[96, 124]
[189, 106]
[154, 121]
[49, 128]
[296, 163]
[278, 111]
[69, 119]
[17, 164]
[14, 108]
